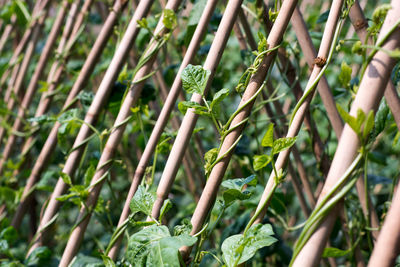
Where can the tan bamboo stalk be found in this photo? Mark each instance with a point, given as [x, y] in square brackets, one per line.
[17, 86]
[387, 247]
[7, 31]
[162, 120]
[368, 97]
[13, 64]
[81, 81]
[210, 191]
[53, 77]
[294, 128]
[278, 133]
[114, 139]
[91, 117]
[360, 24]
[190, 118]
[33, 83]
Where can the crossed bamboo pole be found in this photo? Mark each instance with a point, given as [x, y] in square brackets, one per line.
[368, 97]
[114, 139]
[93, 113]
[33, 83]
[162, 120]
[84, 74]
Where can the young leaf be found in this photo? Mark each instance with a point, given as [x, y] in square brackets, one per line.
[218, 97]
[260, 161]
[183, 106]
[283, 143]
[66, 178]
[369, 124]
[169, 19]
[331, 252]
[154, 246]
[350, 120]
[268, 139]
[235, 189]
[194, 79]
[167, 205]
[108, 262]
[142, 201]
[345, 75]
[237, 249]
[209, 158]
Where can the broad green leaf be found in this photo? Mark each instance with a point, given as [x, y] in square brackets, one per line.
[268, 139]
[142, 201]
[209, 158]
[87, 178]
[237, 249]
[183, 106]
[283, 143]
[154, 246]
[184, 228]
[345, 75]
[218, 97]
[9, 234]
[169, 19]
[231, 195]
[260, 161]
[239, 183]
[40, 256]
[331, 252]
[350, 120]
[86, 261]
[381, 118]
[108, 262]
[167, 205]
[41, 119]
[369, 124]
[360, 119]
[194, 79]
[194, 18]
[66, 178]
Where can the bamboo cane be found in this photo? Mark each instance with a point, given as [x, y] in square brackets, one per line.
[114, 139]
[368, 97]
[33, 83]
[91, 117]
[165, 114]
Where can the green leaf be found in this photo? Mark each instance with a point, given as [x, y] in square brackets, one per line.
[184, 228]
[260, 161]
[369, 124]
[218, 97]
[142, 201]
[183, 106]
[350, 120]
[360, 119]
[268, 139]
[330, 252]
[66, 178]
[108, 262]
[209, 158]
[87, 178]
[169, 19]
[194, 79]
[9, 234]
[345, 75]
[235, 189]
[154, 246]
[283, 143]
[39, 257]
[167, 205]
[262, 43]
[237, 249]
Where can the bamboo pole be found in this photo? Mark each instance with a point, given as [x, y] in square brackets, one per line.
[91, 117]
[368, 97]
[52, 79]
[165, 114]
[294, 128]
[33, 83]
[208, 196]
[360, 24]
[114, 139]
[387, 247]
